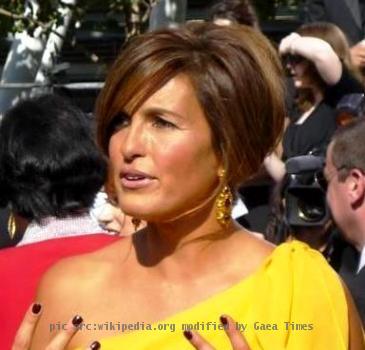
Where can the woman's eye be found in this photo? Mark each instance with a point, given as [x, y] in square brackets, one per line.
[121, 120]
[159, 122]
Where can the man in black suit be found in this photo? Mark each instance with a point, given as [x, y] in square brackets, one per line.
[345, 175]
[349, 15]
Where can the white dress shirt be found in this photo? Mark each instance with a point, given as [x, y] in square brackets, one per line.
[362, 260]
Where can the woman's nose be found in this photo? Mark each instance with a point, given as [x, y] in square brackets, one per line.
[133, 144]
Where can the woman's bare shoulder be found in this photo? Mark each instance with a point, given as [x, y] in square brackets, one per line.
[70, 283]
[254, 246]
[84, 266]
[257, 241]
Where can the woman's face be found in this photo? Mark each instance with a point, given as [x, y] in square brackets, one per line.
[299, 73]
[162, 156]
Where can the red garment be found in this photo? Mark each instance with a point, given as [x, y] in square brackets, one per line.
[21, 269]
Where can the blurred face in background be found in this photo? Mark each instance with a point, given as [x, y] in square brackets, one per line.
[298, 68]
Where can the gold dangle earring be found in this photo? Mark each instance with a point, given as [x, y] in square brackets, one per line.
[224, 203]
[11, 225]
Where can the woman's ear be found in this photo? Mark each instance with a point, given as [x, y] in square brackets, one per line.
[221, 172]
[222, 165]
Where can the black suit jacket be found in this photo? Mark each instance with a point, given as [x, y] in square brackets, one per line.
[354, 281]
[343, 13]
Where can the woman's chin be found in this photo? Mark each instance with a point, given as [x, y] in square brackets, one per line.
[151, 216]
[298, 84]
[142, 213]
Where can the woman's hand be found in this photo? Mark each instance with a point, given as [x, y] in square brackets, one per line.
[286, 44]
[24, 335]
[358, 54]
[236, 338]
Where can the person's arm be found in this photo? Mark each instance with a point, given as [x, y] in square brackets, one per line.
[275, 167]
[273, 163]
[347, 84]
[316, 50]
[358, 54]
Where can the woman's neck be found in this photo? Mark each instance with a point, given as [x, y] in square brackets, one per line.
[318, 96]
[317, 99]
[183, 243]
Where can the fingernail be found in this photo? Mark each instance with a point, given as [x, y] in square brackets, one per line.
[95, 345]
[36, 308]
[224, 320]
[188, 335]
[76, 321]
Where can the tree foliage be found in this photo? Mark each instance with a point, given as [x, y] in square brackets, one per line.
[13, 16]
[135, 13]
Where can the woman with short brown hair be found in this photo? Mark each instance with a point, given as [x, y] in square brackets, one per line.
[185, 116]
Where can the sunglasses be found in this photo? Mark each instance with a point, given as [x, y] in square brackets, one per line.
[292, 59]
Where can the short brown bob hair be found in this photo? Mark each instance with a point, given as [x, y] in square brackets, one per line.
[237, 78]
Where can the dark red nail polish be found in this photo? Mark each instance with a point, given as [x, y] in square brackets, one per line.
[95, 345]
[224, 320]
[36, 308]
[76, 321]
[188, 335]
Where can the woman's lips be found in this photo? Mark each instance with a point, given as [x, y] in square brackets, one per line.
[135, 180]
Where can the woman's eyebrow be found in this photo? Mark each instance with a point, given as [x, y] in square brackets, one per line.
[159, 110]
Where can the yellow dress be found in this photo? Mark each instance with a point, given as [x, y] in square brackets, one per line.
[293, 301]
